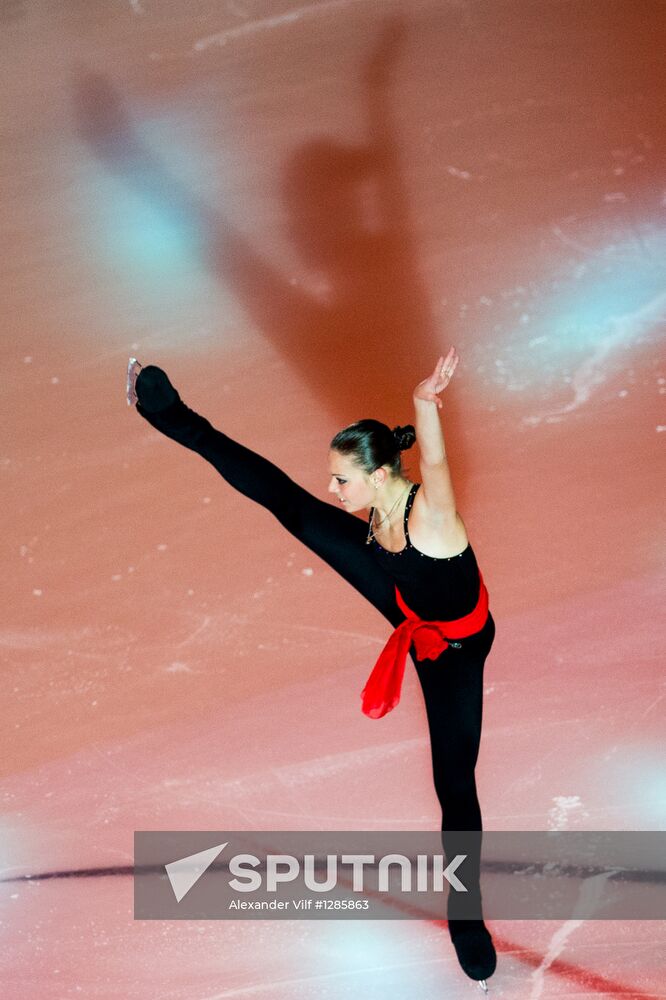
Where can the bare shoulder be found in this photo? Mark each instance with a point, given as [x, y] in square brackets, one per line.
[436, 533]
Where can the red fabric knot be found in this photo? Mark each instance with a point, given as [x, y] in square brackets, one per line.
[382, 690]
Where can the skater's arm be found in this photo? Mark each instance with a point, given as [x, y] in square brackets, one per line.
[437, 485]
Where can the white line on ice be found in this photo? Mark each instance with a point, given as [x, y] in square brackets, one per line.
[653, 705]
[555, 948]
[278, 985]
[322, 630]
[589, 895]
[603, 253]
[267, 23]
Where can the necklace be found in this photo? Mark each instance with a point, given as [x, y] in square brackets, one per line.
[372, 526]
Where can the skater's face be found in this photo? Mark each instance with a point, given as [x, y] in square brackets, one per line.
[350, 484]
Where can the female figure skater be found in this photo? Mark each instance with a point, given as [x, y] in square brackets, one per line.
[412, 561]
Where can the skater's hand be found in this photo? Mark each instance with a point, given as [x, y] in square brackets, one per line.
[430, 388]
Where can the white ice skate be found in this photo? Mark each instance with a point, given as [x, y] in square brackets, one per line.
[133, 369]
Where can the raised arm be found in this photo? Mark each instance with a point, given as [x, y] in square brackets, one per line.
[437, 487]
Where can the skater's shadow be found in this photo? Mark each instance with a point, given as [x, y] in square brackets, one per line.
[359, 329]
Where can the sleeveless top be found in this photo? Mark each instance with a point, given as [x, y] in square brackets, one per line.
[434, 588]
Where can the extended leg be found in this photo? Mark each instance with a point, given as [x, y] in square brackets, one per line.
[331, 533]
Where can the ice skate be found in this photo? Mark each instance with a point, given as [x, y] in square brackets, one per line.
[133, 369]
[149, 389]
[158, 402]
[475, 950]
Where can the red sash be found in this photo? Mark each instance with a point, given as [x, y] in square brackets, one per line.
[382, 690]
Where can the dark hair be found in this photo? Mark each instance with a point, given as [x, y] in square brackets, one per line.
[372, 444]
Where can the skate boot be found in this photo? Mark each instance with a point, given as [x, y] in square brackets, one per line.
[474, 948]
[160, 404]
[148, 388]
[471, 940]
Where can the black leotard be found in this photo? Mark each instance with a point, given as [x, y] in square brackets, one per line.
[435, 589]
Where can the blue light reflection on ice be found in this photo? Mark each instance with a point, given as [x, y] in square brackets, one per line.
[639, 776]
[148, 235]
[149, 221]
[377, 956]
[635, 782]
[581, 318]
[594, 308]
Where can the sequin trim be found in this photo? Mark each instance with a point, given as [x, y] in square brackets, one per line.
[409, 545]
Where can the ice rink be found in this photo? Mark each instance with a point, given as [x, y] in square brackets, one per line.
[294, 209]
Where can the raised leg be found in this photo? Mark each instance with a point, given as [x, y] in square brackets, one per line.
[334, 535]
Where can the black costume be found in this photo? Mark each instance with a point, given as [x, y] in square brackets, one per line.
[433, 588]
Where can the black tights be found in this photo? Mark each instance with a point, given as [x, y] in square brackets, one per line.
[453, 696]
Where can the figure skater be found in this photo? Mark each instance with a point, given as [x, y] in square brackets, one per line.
[412, 561]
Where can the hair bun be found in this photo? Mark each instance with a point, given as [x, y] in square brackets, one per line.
[404, 437]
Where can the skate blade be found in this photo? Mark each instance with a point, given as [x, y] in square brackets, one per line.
[133, 369]
[483, 985]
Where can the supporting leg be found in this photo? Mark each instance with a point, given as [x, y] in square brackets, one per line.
[453, 692]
